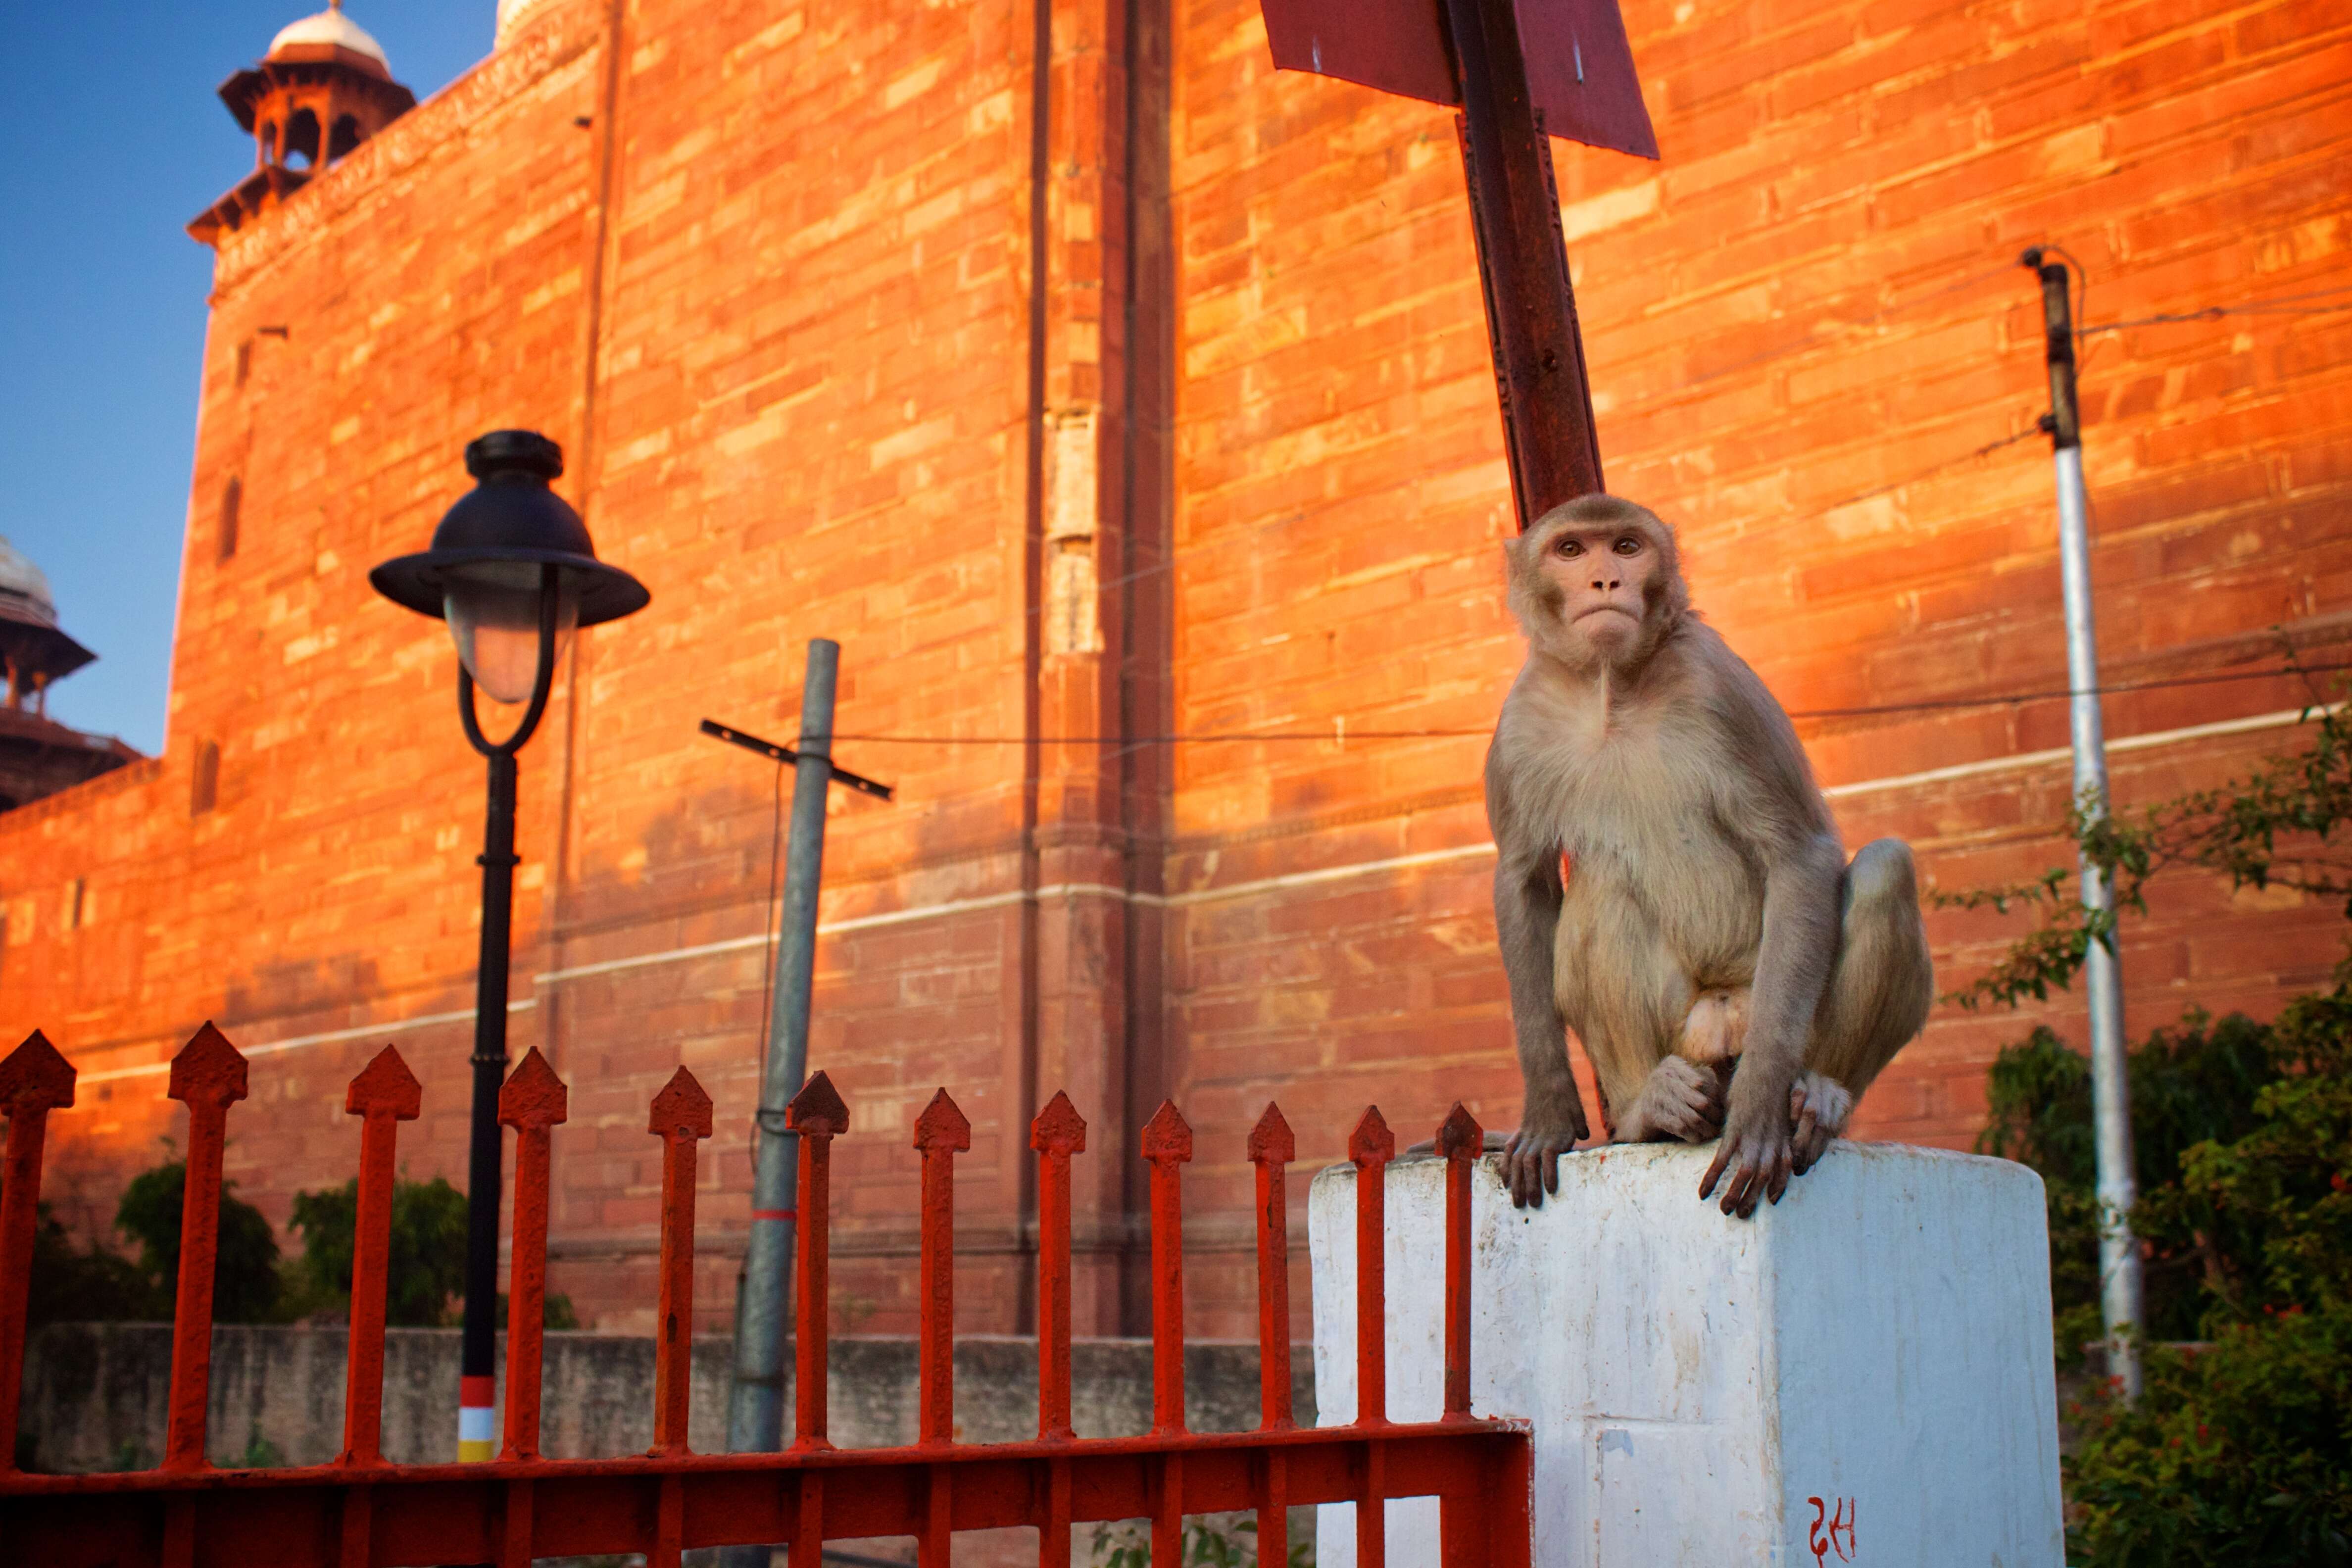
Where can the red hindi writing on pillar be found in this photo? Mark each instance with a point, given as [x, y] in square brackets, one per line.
[1580, 68]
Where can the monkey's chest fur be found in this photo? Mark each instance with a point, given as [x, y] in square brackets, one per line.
[1665, 894]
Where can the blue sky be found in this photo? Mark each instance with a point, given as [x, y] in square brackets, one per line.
[111, 139]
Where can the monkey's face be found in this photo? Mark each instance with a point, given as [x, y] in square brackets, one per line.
[1596, 584]
[1599, 578]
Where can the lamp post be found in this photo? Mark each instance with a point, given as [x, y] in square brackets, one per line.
[514, 573]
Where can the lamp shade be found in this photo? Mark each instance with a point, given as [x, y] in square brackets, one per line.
[490, 543]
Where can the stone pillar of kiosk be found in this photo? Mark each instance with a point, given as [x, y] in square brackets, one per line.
[1860, 1375]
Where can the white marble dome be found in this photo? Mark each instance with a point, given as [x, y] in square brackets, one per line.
[24, 592]
[331, 26]
[513, 14]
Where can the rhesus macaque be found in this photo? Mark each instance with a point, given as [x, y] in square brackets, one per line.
[1708, 917]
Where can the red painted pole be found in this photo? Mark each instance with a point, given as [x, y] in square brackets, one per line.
[1372, 1147]
[1168, 1146]
[34, 1079]
[1058, 1132]
[819, 1115]
[384, 1094]
[1271, 1147]
[941, 1131]
[532, 1100]
[1461, 1141]
[681, 1119]
[208, 1075]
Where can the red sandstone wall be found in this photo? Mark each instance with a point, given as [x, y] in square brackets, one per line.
[775, 299]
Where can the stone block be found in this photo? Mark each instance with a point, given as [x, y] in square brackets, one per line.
[1861, 1374]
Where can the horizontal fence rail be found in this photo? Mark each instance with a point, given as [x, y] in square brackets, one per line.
[361, 1511]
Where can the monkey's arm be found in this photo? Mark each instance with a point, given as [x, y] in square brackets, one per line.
[1801, 932]
[1527, 921]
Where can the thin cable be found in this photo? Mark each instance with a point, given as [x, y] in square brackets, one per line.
[1214, 737]
[1990, 448]
[2283, 305]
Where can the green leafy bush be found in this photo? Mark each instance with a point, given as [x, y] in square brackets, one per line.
[87, 1284]
[2240, 1450]
[245, 1269]
[427, 1253]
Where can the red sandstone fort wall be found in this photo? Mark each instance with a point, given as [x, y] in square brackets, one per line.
[1227, 460]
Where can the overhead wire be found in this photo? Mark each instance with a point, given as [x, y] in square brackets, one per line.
[1241, 737]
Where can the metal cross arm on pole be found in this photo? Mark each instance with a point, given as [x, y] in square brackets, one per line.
[1520, 71]
[785, 754]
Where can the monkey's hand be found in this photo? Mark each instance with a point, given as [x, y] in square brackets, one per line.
[1681, 1098]
[1532, 1159]
[1757, 1148]
[1818, 1107]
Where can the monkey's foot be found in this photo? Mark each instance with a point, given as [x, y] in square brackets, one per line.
[1682, 1100]
[1716, 1029]
[1818, 1109]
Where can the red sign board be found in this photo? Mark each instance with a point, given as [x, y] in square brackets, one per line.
[1580, 68]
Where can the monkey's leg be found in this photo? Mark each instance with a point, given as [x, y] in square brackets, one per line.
[1877, 998]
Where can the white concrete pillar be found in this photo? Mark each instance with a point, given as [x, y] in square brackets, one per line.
[1860, 1375]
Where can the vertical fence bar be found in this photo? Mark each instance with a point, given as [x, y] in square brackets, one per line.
[1058, 1132]
[1461, 1518]
[208, 1075]
[383, 1095]
[819, 1115]
[1168, 1146]
[532, 1100]
[1461, 1141]
[1372, 1147]
[1271, 1147]
[942, 1132]
[681, 1119]
[34, 1079]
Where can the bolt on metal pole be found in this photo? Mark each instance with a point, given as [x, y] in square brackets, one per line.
[755, 1411]
[2119, 1267]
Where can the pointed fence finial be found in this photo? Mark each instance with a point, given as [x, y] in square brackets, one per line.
[1371, 1143]
[35, 1077]
[533, 1097]
[385, 1087]
[1460, 1137]
[1168, 1136]
[818, 1109]
[1058, 1129]
[1271, 1140]
[681, 1108]
[207, 1069]
[943, 1126]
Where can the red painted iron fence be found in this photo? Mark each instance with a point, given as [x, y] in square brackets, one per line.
[362, 1510]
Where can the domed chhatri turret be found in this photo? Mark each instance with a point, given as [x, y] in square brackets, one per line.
[32, 651]
[324, 88]
[39, 756]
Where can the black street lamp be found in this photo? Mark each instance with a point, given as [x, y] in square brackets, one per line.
[513, 573]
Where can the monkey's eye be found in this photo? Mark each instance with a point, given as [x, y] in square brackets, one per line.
[1568, 550]
[1628, 545]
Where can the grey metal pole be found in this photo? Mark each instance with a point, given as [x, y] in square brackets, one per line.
[2119, 1270]
[756, 1407]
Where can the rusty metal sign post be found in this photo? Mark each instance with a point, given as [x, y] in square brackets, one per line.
[362, 1510]
[1519, 71]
